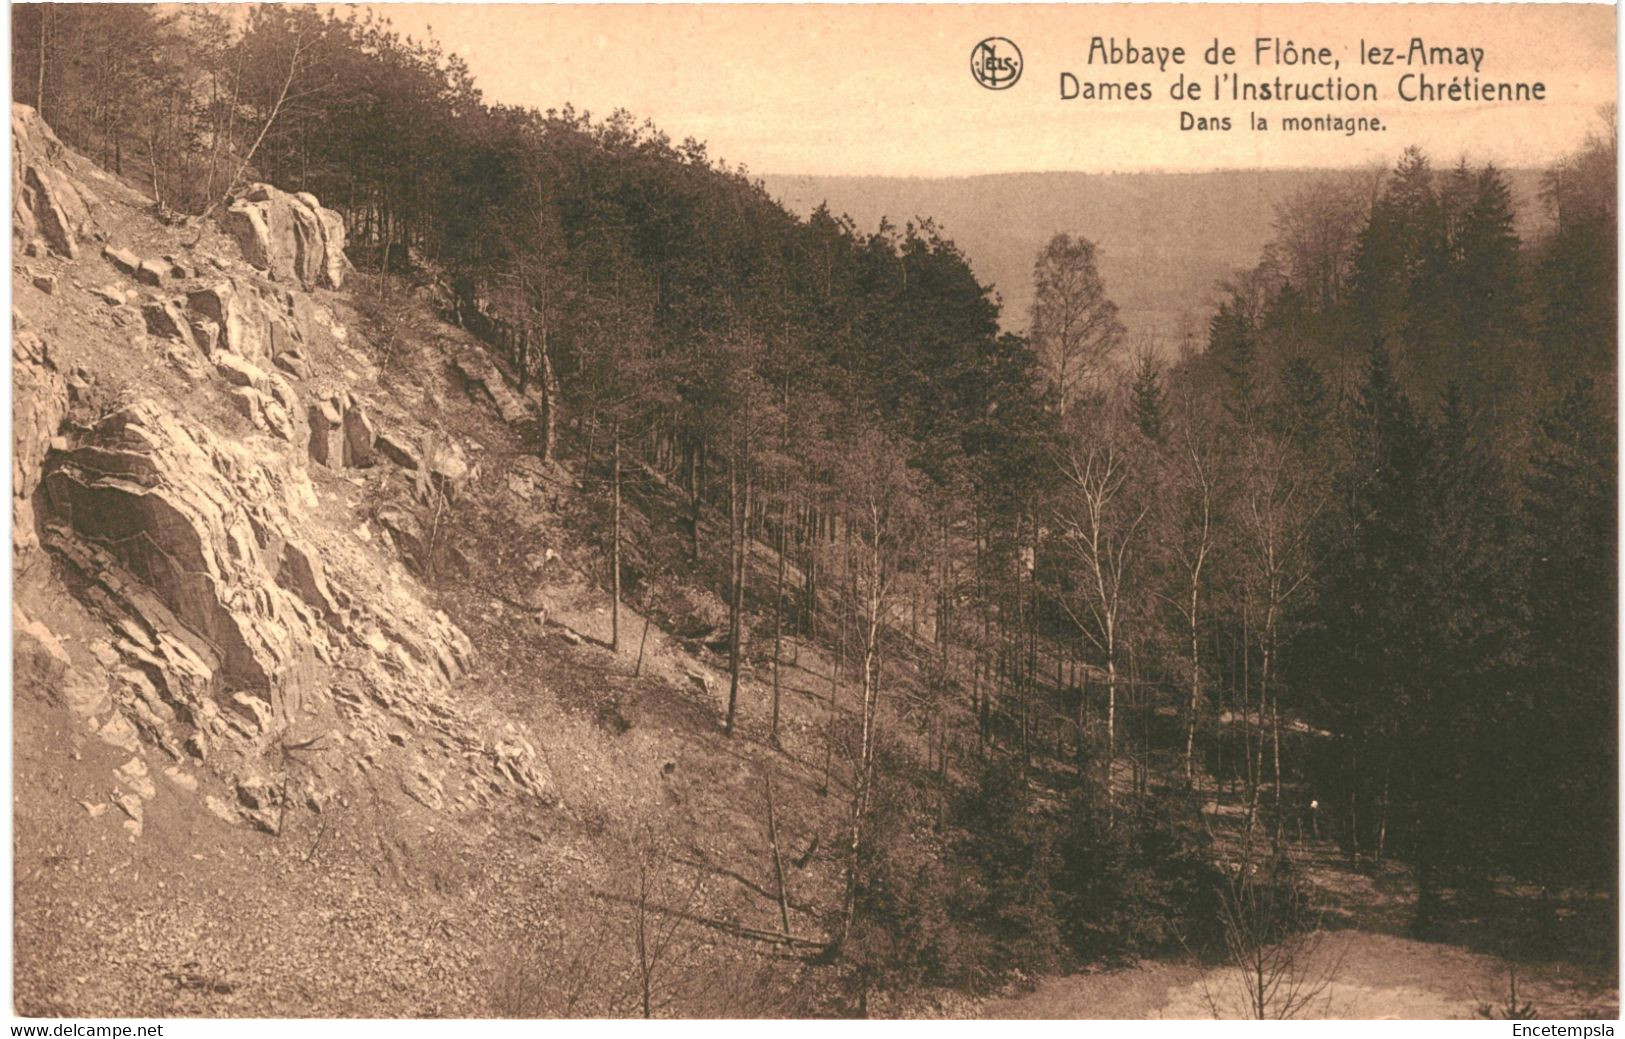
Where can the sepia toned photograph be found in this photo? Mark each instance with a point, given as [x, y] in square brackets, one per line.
[702, 511]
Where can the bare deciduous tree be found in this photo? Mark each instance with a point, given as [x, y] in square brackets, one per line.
[1277, 966]
[1074, 326]
[884, 520]
[1101, 524]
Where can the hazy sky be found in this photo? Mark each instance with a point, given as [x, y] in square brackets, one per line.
[849, 89]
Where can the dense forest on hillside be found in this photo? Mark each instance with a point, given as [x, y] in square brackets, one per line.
[1350, 560]
[1165, 239]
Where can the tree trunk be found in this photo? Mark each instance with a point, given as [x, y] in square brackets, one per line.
[1382, 812]
[871, 699]
[810, 582]
[1196, 694]
[550, 399]
[778, 613]
[39, 87]
[524, 357]
[1017, 671]
[1275, 749]
[615, 542]
[696, 473]
[735, 536]
[1354, 808]
[645, 964]
[637, 669]
[834, 696]
[1111, 711]
[778, 863]
[1083, 728]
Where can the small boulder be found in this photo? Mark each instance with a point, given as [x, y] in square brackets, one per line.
[255, 709]
[292, 362]
[449, 469]
[205, 333]
[399, 450]
[277, 420]
[149, 272]
[359, 438]
[123, 259]
[326, 433]
[281, 391]
[131, 805]
[185, 780]
[185, 358]
[165, 321]
[256, 792]
[250, 403]
[403, 529]
[237, 370]
[133, 774]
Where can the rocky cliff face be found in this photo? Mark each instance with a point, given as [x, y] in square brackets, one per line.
[291, 237]
[191, 456]
[51, 203]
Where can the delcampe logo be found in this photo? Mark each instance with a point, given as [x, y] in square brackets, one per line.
[996, 63]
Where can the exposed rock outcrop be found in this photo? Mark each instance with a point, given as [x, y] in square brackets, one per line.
[234, 604]
[39, 403]
[165, 320]
[48, 202]
[359, 435]
[193, 519]
[291, 237]
[206, 524]
[256, 321]
[399, 450]
[326, 433]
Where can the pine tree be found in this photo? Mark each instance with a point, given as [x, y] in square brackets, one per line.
[1569, 531]
[1369, 623]
[1146, 395]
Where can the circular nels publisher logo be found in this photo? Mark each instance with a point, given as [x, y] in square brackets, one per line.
[996, 63]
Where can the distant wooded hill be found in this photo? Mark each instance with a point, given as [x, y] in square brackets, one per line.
[1166, 239]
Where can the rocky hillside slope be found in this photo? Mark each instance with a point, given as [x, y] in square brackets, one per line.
[184, 494]
[275, 754]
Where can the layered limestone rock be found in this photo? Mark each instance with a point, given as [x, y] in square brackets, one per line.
[256, 321]
[156, 495]
[39, 403]
[48, 203]
[291, 237]
[238, 614]
[206, 524]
